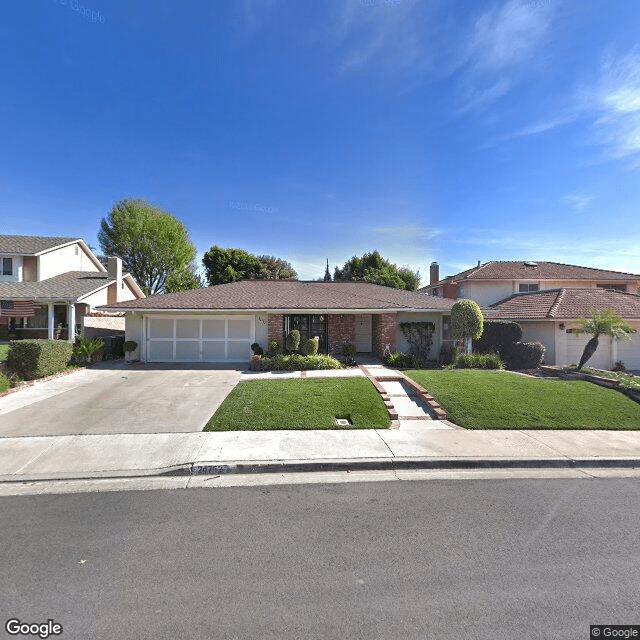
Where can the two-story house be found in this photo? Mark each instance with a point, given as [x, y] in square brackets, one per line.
[546, 299]
[48, 284]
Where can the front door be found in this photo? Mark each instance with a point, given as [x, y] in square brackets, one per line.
[363, 333]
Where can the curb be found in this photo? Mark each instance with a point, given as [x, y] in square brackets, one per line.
[362, 464]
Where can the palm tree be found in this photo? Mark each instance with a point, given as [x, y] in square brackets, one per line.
[605, 323]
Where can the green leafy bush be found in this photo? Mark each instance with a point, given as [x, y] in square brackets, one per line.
[403, 361]
[349, 350]
[524, 355]
[257, 349]
[297, 362]
[4, 383]
[466, 320]
[447, 354]
[496, 335]
[274, 347]
[130, 345]
[84, 348]
[477, 361]
[419, 336]
[309, 347]
[38, 358]
[293, 341]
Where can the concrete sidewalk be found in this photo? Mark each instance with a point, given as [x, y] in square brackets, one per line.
[413, 446]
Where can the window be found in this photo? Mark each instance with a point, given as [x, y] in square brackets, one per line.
[526, 288]
[309, 327]
[7, 266]
[613, 287]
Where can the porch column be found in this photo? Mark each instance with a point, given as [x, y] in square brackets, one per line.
[71, 322]
[50, 326]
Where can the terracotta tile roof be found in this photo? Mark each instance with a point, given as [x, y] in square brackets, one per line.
[566, 304]
[30, 245]
[290, 294]
[69, 285]
[524, 270]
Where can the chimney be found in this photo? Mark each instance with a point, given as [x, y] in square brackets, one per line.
[114, 269]
[434, 273]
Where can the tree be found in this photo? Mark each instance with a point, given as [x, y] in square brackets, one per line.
[230, 265]
[466, 321]
[183, 280]
[277, 268]
[373, 268]
[327, 273]
[605, 323]
[151, 242]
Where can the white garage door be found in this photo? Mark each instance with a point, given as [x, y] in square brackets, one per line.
[199, 339]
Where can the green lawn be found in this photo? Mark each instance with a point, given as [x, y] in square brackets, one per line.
[309, 403]
[478, 399]
[4, 350]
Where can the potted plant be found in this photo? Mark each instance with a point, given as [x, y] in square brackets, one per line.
[129, 347]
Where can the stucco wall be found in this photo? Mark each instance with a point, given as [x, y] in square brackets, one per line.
[97, 326]
[133, 331]
[70, 258]
[436, 318]
[485, 293]
[544, 332]
[96, 299]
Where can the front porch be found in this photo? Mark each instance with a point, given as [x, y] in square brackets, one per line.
[47, 320]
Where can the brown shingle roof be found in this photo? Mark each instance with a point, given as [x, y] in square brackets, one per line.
[69, 285]
[290, 294]
[523, 270]
[566, 304]
[30, 245]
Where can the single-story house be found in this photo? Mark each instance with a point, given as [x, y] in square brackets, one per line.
[219, 323]
[550, 316]
[49, 287]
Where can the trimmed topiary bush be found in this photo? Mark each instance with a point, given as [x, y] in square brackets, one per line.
[466, 321]
[496, 335]
[273, 346]
[32, 359]
[524, 355]
[257, 349]
[309, 347]
[477, 361]
[293, 341]
[130, 345]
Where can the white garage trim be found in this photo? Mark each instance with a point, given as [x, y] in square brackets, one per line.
[194, 341]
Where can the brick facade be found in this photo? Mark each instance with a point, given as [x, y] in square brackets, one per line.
[275, 328]
[342, 330]
[385, 332]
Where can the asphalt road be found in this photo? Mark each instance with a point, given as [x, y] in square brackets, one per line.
[487, 559]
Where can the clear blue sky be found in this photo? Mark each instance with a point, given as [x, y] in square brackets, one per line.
[427, 129]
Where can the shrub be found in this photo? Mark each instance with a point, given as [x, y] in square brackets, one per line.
[466, 320]
[38, 358]
[477, 361]
[309, 347]
[4, 383]
[619, 366]
[257, 349]
[447, 354]
[293, 341]
[524, 355]
[84, 348]
[274, 346]
[496, 335]
[297, 362]
[349, 350]
[403, 361]
[130, 345]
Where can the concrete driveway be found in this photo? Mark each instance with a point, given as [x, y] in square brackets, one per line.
[119, 398]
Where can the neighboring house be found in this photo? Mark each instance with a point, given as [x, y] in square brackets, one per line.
[49, 284]
[550, 316]
[492, 281]
[219, 323]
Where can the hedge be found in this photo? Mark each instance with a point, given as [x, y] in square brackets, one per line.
[4, 383]
[403, 360]
[38, 358]
[296, 362]
[496, 335]
[524, 355]
[477, 361]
